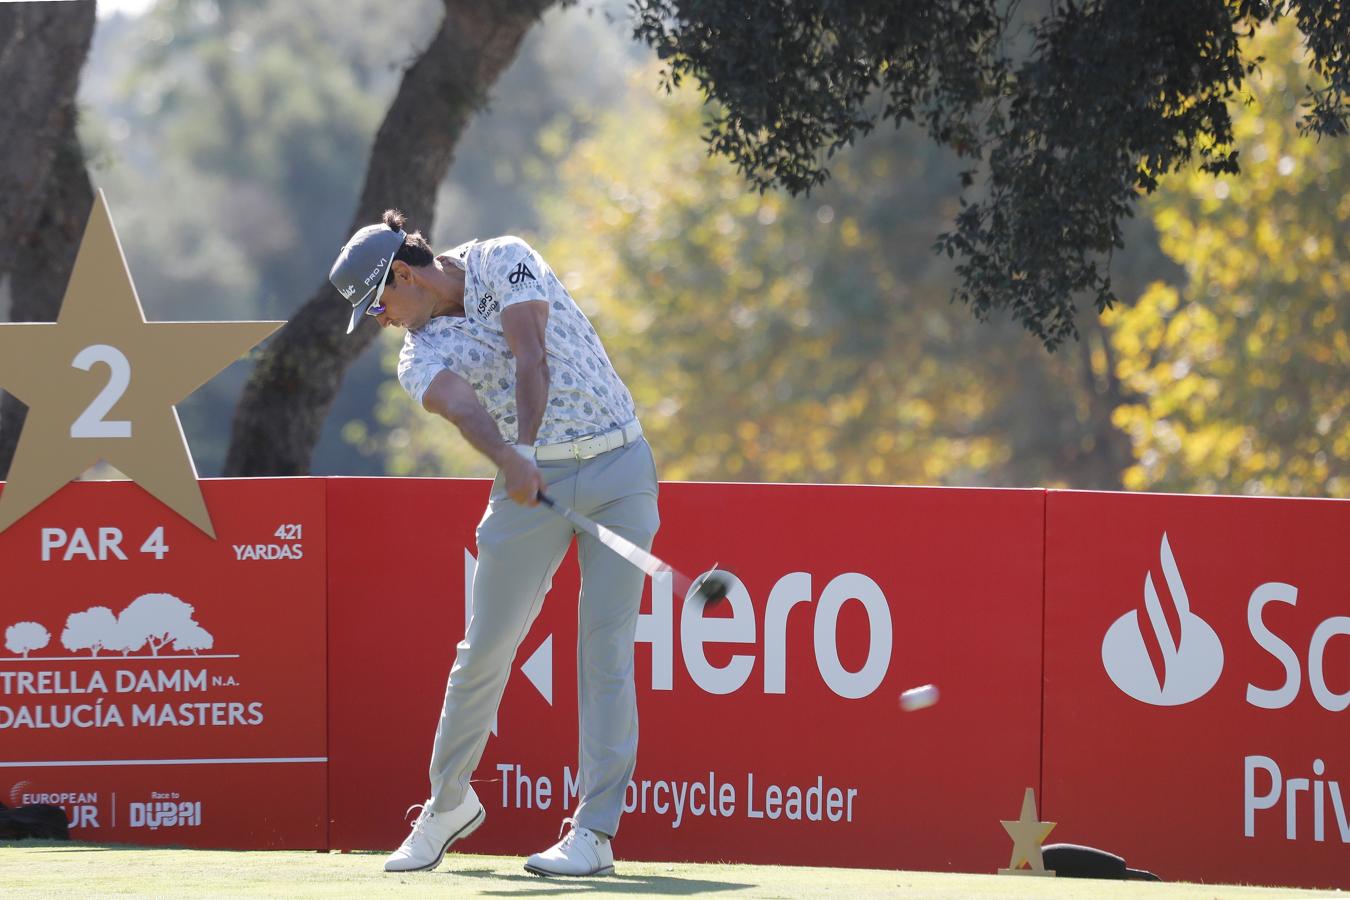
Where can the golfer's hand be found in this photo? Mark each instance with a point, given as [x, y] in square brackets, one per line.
[523, 480]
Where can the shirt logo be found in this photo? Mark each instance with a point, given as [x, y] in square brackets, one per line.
[520, 273]
[488, 304]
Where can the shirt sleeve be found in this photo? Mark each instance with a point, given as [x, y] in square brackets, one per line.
[417, 369]
[516, 272]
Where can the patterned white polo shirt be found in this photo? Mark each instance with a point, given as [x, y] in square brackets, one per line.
[585, 394]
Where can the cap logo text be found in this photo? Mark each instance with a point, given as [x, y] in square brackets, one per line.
[375, 272]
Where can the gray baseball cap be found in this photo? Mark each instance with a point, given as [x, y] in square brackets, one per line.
[360, 270]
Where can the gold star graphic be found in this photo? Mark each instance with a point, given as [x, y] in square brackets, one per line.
[1027, 834]
[101, 383]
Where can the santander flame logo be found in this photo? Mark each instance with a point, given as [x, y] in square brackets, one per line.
[1191, 661]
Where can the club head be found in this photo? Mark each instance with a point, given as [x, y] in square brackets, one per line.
[712, 588]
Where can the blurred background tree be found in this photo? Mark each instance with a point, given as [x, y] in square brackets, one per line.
[772, 338]
[45, 193]
[230, 140]
[1067, 112]
[766, 337]
[1241, 372]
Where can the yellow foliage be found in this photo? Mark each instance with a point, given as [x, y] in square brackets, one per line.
[1241, 376]
[762, 342]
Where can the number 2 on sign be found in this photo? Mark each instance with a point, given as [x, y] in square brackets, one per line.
[92, 422]
[288, 533]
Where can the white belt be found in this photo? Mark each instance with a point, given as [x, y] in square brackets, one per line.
[591, 446]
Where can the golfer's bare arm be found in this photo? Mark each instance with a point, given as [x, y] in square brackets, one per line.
[452, 398]
[525, 326]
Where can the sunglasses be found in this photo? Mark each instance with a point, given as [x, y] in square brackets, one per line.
[378, 307]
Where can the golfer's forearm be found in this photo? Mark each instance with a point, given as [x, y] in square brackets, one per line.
[531, 395]
[481, 432]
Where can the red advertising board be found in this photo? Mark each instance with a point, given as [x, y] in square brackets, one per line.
[1197, 677]
[774, 737]
[267, 689]
[396, 612]
[161, 686]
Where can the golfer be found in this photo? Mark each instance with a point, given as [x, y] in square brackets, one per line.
[497, 347]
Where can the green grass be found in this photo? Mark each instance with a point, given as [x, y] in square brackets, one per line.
[32, 869]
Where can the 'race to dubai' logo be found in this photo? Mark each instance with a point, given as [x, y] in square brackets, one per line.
[1191, 660]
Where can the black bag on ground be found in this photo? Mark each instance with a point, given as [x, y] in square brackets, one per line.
[1077, 861]
[39, 820]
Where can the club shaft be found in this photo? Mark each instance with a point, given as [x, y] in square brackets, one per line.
[616, 542]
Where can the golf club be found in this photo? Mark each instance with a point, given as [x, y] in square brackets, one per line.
[711, 587]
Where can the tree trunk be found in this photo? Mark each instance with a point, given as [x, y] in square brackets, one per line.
[1111, 453]
[42, 49]
[45, 193]
[291, 390]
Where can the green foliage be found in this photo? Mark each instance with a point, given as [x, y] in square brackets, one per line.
[1068, 127]
[1243, 375]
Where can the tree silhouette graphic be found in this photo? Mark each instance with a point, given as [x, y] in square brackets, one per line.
[194, 638]
[157, 619]
[25, 637]
[94, 629]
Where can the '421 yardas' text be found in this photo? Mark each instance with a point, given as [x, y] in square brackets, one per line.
[292, 548]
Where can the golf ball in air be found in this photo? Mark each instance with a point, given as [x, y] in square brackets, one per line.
[920, 697]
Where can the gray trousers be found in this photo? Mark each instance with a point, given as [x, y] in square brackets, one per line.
[519, 549]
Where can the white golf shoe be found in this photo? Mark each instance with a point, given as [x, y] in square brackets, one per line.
[580, 852]
[433, 833]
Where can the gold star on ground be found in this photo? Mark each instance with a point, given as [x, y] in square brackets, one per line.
[1027, 834]
[101, 383]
